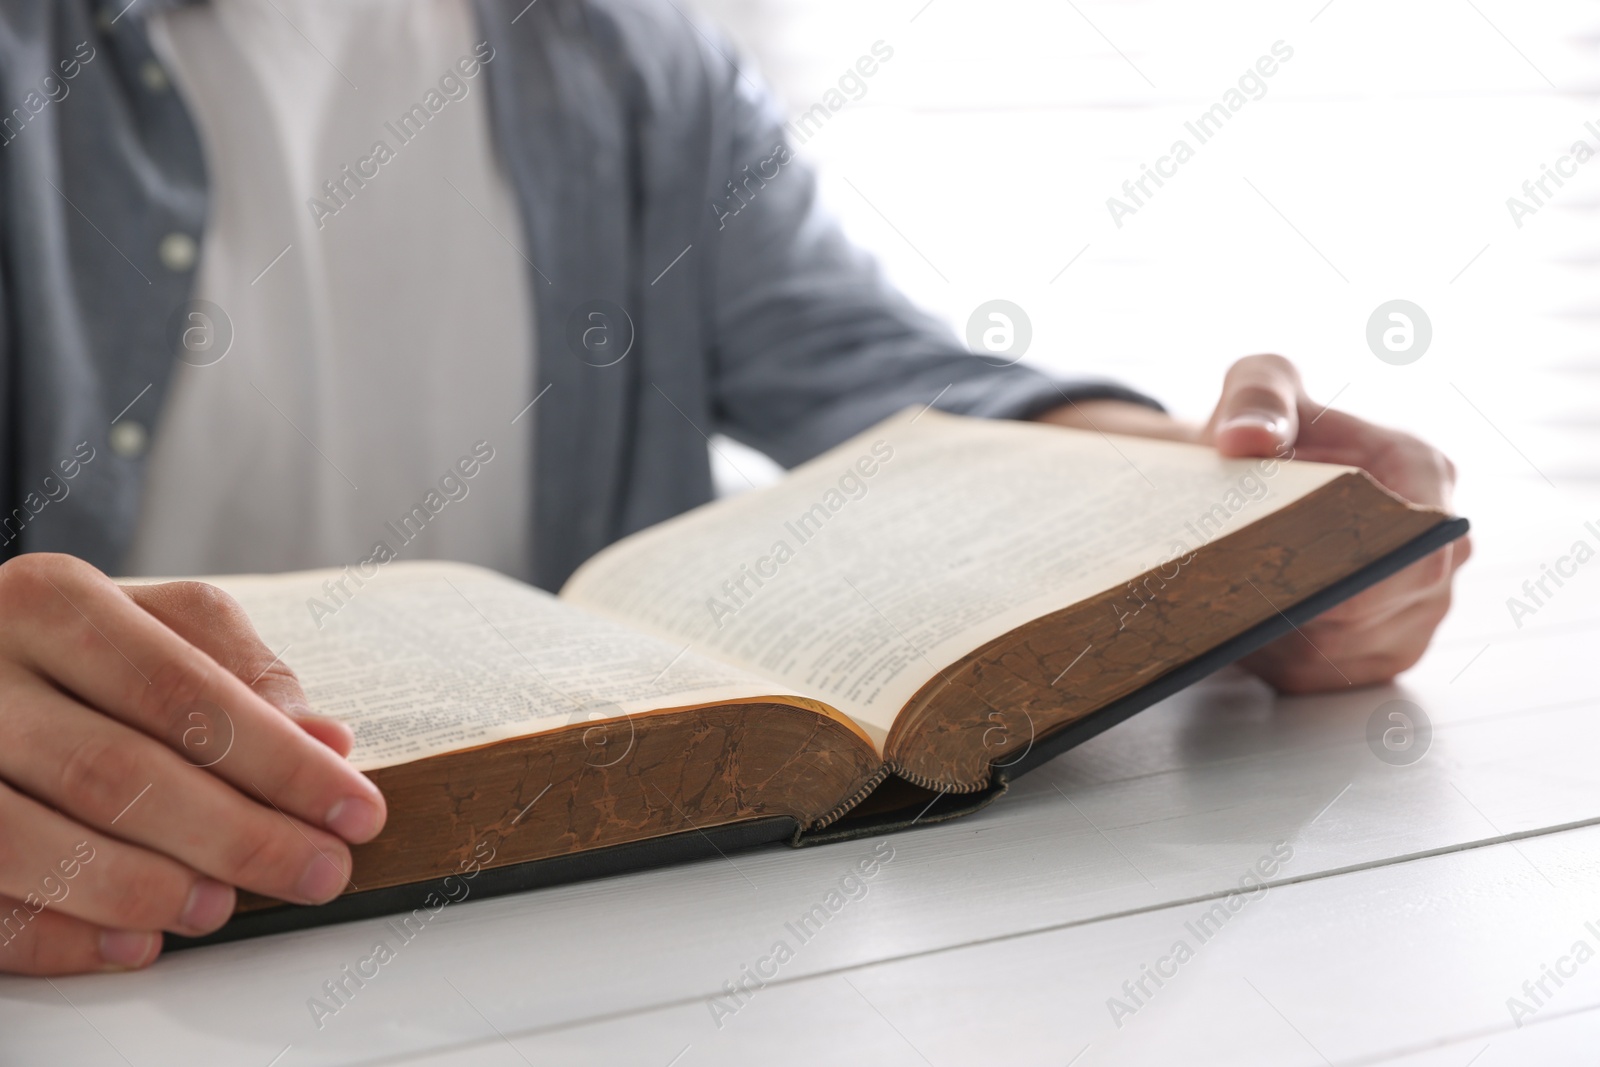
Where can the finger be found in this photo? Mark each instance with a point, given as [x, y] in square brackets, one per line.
[331, 732]
[1403, 631]
[1297, 663]
[212, 621]
[1258, 414]
[1394, 594]
[47, 859]
[47, 942]
[1400, 462]
[1332, 436]
[108, 776]
[96, 643]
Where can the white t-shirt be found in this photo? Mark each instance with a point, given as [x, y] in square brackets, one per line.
[378, 338]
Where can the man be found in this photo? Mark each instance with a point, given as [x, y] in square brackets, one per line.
[377, 235]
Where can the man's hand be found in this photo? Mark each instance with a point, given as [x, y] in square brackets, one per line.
[1264, 410]
[155, 755]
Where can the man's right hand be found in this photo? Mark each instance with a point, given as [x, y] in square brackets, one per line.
[154, 754]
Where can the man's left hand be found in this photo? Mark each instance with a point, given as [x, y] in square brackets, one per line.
[1264, 411]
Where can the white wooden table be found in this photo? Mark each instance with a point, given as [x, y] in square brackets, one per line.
[1417, 900]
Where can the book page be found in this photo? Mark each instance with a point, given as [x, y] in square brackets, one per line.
[425, 658]
[872, 568]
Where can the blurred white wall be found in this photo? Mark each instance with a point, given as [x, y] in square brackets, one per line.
[1375, 165]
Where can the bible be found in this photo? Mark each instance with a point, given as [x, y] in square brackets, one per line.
[885, 638]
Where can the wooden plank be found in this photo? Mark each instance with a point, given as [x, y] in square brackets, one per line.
[1413, 963]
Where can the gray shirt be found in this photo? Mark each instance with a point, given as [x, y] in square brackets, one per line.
[620, 128]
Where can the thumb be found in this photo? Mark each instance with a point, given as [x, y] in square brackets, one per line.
[1259, 411]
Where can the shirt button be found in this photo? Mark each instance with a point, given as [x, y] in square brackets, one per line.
[177, 252]
[128, 439]
[153, 76]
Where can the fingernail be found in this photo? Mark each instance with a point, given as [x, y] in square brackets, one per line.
[322, 881]
[210, 904]
[1277, 425]
[124, 950]
[355, 819]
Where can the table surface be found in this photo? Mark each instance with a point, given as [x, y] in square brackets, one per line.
[1416, 900]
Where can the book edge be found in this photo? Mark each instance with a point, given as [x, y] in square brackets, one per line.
[690, 846]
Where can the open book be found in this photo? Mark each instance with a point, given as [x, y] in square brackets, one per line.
[887, 636]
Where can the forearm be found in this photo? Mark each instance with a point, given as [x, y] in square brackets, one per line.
[1120, 416]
